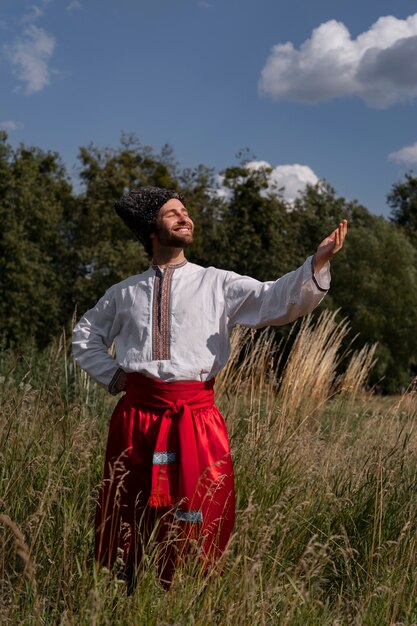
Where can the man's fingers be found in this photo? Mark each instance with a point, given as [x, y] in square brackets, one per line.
[337, 237]
[341, 232]
[333, 243]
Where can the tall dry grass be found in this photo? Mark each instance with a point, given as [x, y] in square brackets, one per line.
[326, 481]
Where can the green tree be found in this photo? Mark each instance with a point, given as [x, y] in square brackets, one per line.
[34, 196]
[403, 201]
[316, 213]
[257, 227]
[376, 289]
[206, 209]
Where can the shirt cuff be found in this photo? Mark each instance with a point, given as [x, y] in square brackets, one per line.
[322, 278]
[112, 386]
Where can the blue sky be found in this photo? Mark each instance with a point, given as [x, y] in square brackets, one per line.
[324, 89]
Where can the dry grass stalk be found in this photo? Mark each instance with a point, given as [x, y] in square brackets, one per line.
[407, 404]
[250, 373]
[23, 551]
[357, 371]
[309, 378]
[309, 374]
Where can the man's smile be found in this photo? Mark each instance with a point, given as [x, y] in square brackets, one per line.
[183, 229]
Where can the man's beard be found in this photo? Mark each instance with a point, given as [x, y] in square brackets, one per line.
[173, 240]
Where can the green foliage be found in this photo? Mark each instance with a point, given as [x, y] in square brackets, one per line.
[259, 230]
[403, 200]
[207, 212]
[34, 198]
[376, 289]
[316, 214]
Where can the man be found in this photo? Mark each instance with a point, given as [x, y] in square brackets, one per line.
[168, 471]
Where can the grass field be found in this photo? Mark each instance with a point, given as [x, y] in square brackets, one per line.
[326, 481]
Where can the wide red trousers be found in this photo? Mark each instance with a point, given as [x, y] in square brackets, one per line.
[168, 477]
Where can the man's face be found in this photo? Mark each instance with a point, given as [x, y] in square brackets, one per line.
[174, 228]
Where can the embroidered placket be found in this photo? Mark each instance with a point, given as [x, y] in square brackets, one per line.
[161, 312]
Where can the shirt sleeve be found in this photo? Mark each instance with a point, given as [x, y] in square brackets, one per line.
[256, 304]
[92, 337]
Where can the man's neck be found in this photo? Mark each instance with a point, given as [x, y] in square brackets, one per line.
[168, 256]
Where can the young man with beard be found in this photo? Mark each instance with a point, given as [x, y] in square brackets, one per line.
[168, 471]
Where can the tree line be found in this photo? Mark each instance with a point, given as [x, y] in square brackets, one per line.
[62, 245]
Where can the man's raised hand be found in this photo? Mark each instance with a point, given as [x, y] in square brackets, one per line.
[330, 246]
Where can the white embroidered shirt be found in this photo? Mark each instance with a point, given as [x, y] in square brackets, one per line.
[175, 324]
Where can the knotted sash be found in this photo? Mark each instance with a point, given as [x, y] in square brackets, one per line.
[176, 469]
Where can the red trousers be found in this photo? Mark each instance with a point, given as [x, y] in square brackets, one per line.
[168, 477]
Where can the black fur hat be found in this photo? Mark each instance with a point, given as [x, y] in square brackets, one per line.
[138, 209]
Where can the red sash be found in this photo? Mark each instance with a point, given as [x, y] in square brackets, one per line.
[176, 471]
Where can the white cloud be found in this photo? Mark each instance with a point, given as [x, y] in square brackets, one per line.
[292, 179]
[74, 5]
[407, 155]
[221, 191]
[9, 125]
[35, 12]
[379, 66]
[30, 56]
[289, 181]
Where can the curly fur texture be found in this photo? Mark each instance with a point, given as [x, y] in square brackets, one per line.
[139, 207]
